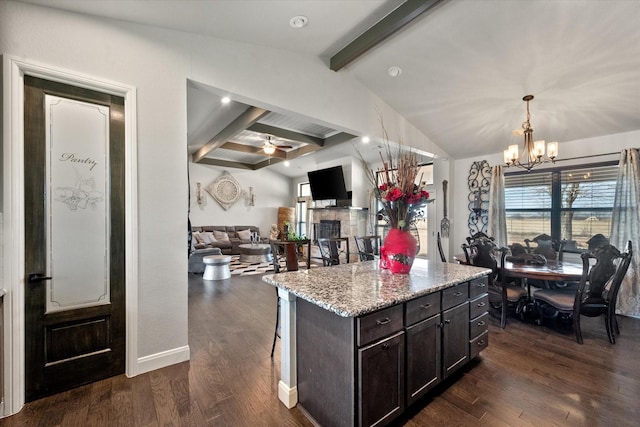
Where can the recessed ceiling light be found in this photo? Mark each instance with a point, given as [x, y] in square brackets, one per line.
[298, 21]
[394, 71]
[225, 100]
[286, 163]
[365, 139]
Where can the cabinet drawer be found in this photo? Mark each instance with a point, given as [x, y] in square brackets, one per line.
[379, 324]
[455, 295]
[478, 286]
[478, 325]
[478, 344]
[422, 308]
[479, 306]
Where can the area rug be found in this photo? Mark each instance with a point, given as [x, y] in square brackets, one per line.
[245, 269]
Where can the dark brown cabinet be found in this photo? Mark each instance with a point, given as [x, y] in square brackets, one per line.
[381, 380]
[424, 369]
[455, 338]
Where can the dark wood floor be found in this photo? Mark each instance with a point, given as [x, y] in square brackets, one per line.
[529, 376]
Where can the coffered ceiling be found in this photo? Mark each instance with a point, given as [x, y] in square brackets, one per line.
[465, 66]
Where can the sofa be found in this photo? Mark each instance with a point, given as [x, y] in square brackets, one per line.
[226, 238]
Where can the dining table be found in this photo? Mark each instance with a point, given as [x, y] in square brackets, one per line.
[550, 271]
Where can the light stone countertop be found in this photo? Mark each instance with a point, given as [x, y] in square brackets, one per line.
[351, 290]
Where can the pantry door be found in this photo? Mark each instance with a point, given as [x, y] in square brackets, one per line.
[74, 236]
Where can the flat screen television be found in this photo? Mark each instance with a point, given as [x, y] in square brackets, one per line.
[328, 184]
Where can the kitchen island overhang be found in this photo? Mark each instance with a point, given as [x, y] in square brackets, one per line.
[357, 291]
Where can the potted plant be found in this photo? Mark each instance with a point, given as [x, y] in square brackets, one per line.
[292, 236]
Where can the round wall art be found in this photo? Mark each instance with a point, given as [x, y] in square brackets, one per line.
[225, 190]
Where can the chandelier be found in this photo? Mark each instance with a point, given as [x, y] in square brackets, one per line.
[534, 152]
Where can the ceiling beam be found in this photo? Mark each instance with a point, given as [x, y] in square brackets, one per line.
[386, 27]
[225, 163]
[242, 122]
[286, 134]
[242, 148]
[338, 138]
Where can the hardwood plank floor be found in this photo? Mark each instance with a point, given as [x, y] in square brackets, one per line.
[528, 376]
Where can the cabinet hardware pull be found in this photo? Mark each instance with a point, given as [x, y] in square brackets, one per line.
[383, 321]
[457, 294]
[425, 306]
[481, 323]
[385, 346]
[481, 284]
[447, 321]
[37, 277]
[481, 342]
[481, 304]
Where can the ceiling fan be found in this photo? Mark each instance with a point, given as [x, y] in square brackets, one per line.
[269, 147]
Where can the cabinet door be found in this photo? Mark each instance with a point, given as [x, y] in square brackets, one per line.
[423, 357]
[455, 338]
[381, 380]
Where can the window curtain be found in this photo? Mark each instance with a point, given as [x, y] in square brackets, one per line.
[625, 226]
[497, 216]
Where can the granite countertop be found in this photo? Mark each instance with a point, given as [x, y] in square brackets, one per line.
[351, 290]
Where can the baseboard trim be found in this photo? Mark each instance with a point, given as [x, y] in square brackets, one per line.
[287, 395]
[163, 359]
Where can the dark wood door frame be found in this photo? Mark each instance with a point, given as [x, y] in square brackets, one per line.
[14, 70]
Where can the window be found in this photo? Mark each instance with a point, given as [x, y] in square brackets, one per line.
[571, 204]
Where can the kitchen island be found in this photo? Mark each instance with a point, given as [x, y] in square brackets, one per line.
[359, 344]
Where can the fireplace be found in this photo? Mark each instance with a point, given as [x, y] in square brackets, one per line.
[326, 228]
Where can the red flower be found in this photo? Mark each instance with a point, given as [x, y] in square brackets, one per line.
[425, 194]
[415, 198]
[383, 187]
[394, 194]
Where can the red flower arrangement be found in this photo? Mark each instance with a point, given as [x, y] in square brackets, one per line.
[401, 196]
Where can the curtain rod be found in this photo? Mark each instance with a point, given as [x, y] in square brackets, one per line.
[588, 157]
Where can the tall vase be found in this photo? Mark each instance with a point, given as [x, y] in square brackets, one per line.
[398, 251]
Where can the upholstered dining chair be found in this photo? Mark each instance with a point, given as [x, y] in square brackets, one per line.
[368, 247]
[597, 291]
[502, 294]
[545, 245]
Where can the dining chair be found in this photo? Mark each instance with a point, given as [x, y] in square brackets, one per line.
[443, 257]
[368, 247]
[329, 251]
[502, 293]
[544, 245]
[597, 291]
[477, 235]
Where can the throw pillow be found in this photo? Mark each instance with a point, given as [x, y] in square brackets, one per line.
[211, 237]
[205, 238]
[244, 234]
[198, 237]
[221, 236]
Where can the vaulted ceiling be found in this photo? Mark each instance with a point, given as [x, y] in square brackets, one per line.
[465, 66]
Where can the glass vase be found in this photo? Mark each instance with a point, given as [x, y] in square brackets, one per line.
[398, 251]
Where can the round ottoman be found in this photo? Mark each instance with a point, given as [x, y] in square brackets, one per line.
[216, 267]
[255, 253]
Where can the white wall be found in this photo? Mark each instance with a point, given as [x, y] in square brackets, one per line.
[270, 190]
[158, 63]
[584, 147]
